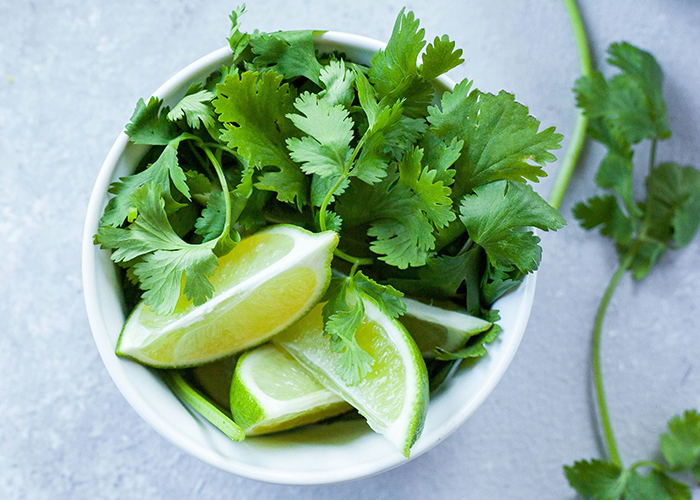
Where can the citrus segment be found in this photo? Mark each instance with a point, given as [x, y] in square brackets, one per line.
[272, 392]
[433, 327]
[265, 283]
[393, 397]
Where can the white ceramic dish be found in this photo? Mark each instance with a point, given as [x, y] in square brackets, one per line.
[318, 454]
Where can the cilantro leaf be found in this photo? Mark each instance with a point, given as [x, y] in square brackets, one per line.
[394, 71]
[165, 259]
[241, 100]
[196, 107]
[597, 479]
[501, 140]
[441, 276]
[474, 347]
[289, 53]
[606, 212]
[434, 195]
[655, 486]
[391, 67]
[149, 124]
[630, 104]
[441, 155]
[387, 297]
[326, 150]
[338, 83]
[162, 172]
[681, 445]
[673, 203]
[403, 232]
[440, 57]
[342, 315]
[497, 211]
[237, 40]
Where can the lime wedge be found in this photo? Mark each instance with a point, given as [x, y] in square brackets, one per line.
[433, 327]
[268, 281]
[272, 392]
[393, 397]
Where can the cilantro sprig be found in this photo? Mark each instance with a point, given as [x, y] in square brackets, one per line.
[621, 112]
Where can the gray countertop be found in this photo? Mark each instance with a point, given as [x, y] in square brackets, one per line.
[70, 74]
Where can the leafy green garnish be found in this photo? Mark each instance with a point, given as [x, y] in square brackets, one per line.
[321, 142]
[623, 111]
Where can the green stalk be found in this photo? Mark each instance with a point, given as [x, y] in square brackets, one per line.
[597, 372]
[224, 187]
[578, 138]
[207, 409]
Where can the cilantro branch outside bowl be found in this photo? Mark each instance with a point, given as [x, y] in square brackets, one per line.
[318, 454]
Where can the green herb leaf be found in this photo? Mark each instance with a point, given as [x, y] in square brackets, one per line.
[195, 107]
[597, 479]
[162, 172]
[440, 57]
[326, 150]
[165, 258]
[402, 230]
[387, 297]
[496, 214]
[289, 53]
[342, 315]
[681, 445]
[606, 212]
[338, 83]
[241, 100]
[149, 124]
[501, 141]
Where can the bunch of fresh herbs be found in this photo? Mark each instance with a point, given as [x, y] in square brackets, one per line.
[623, 111]
[427, 189]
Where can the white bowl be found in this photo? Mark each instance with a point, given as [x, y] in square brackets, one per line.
[318, 454]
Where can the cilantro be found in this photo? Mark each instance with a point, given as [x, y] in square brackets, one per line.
[324, 143]
[501, 141]
[622, 111]
[290, 53]
[165, 257]
[342, 315]
[497, 211]
[241, 100]
[162, 172]
[196, 107]
[149, 124]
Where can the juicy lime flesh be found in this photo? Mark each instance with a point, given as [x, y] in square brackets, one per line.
[250, 256]
[302, 418]
[380, 393]
[235, 322]
[295, 383]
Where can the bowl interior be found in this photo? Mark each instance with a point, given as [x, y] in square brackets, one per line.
[317, 454]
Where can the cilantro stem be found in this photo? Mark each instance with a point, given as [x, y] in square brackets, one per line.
[327, 200]
[578, 137]
[653, 465]
[207, 409]
[201, 160]
[224, 186]
[597, 372]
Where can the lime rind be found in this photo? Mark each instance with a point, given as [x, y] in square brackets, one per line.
[403, 430]
[257, 412]
[313, 251]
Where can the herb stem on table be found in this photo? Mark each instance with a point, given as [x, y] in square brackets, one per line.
[597, 371]
[578, 136]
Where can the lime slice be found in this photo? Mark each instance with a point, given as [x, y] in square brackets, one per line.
[215, 379]
[393, 397]
[272, 392]
[268, 281]
[433, 327]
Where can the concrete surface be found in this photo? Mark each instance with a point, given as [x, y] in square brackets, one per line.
[70, 74]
